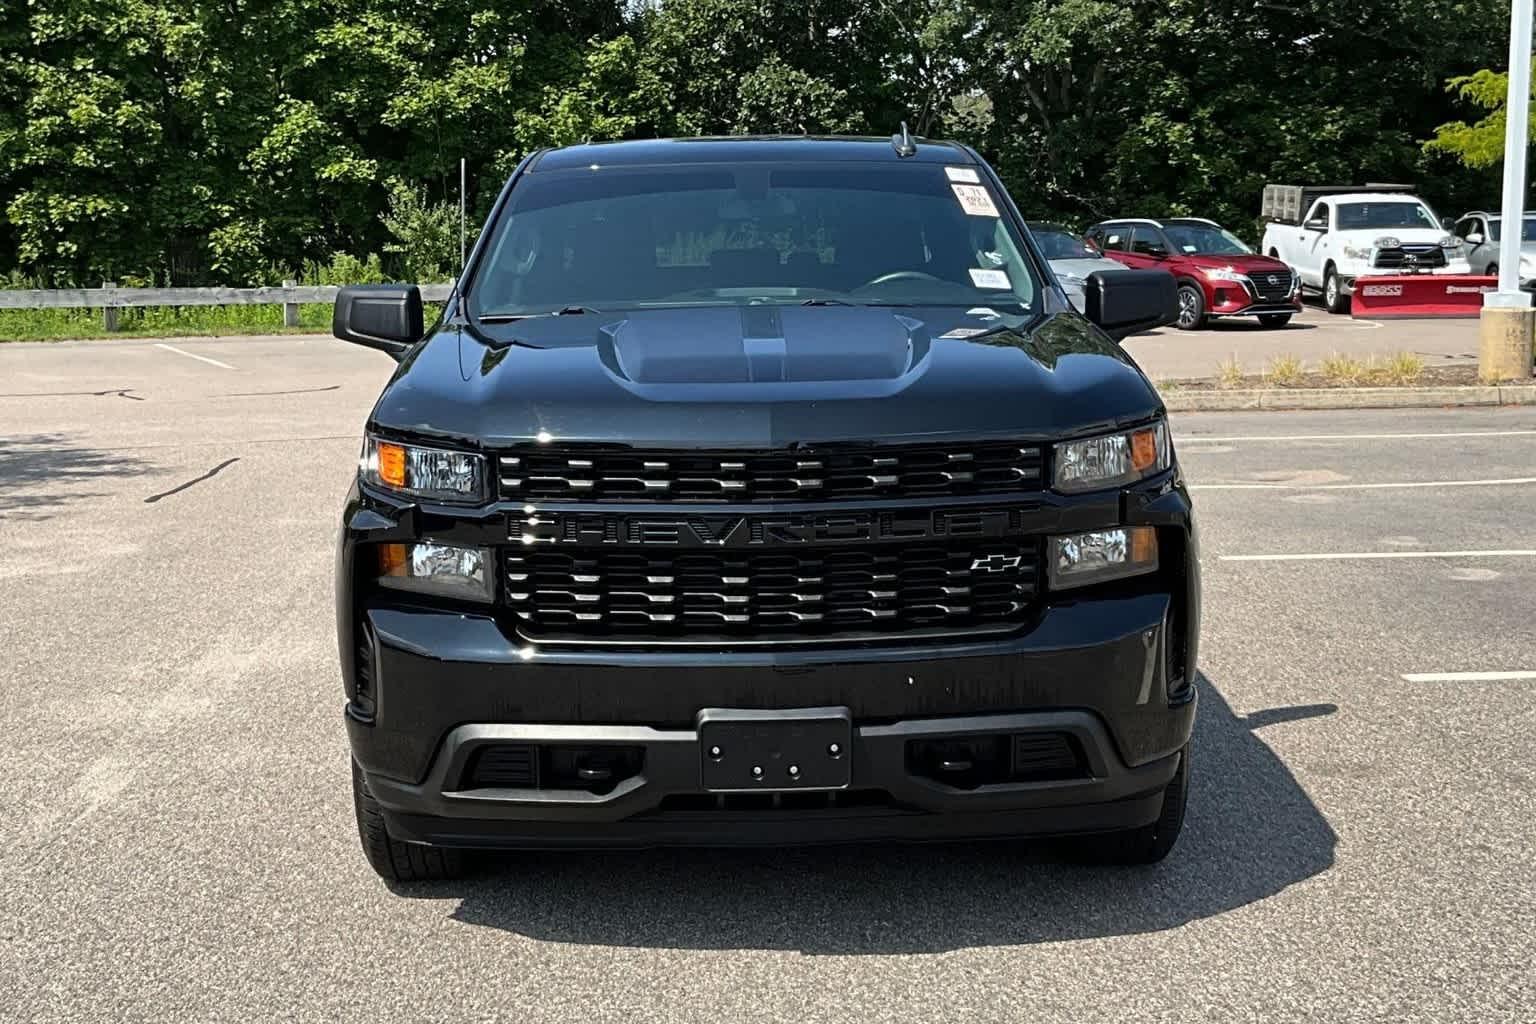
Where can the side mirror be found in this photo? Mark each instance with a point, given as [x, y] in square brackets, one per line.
[1448, 223]
[1126, 302]
[1475, 238]
[1317, 224]
[387, 317]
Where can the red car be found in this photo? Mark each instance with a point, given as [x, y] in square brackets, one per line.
[1218, 275]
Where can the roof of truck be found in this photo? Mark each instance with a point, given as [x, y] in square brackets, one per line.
[1371, 197]
[748, 148]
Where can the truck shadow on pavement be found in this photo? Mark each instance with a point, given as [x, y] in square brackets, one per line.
[41, 474]
[1251, 832]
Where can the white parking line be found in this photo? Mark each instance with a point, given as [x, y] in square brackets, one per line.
[1340, 556]
[1350, 437]
[192, 355]
[1467, 677]
[1503, 482]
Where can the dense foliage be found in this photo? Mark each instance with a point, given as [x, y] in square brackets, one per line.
[188, 141]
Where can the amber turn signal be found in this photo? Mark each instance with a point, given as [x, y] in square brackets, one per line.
[392, 463]
[392, 559]
[1143, 450]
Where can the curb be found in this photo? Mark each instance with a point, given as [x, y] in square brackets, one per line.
[1248, 400]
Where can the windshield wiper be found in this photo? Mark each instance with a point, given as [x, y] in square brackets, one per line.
[829, 302]
[507, 318]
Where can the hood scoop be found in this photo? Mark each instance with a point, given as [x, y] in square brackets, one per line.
[760, 344]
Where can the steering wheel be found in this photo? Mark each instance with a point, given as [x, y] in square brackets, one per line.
[898, 275]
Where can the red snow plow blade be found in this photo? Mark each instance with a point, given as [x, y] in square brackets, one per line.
[1409, 295]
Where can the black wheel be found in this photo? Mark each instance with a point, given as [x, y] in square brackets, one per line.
[393, 860]
[1150, 843]
[1191, 308]
[1333, 293]
[1493, 270]
[1274, 319]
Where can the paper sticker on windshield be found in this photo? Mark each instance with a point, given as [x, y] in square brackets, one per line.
[962, 174]
[974, 200]
[964, 332]
[990, 279]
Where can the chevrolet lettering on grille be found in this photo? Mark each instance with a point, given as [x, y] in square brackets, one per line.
[756, 530]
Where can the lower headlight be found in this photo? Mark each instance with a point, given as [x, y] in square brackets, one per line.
[445, 570]
[1078, 559]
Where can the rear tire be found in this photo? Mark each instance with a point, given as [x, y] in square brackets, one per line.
[393, 860]
[1149, 843]
[1191, 308]
[1274, 319]
[1333, 293]
[1492, 271]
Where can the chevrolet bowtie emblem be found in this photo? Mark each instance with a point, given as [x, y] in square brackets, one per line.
[996, 563]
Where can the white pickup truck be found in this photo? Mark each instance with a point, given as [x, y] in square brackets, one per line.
[1353, 232]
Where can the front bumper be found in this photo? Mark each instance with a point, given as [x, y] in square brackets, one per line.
[1112, 666]
[446, 685]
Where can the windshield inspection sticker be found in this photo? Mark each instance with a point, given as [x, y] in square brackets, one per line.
[990, 279]
[962, 174]
[974, 200]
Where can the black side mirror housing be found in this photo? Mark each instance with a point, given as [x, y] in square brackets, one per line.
[387, 317]
[1126, 302]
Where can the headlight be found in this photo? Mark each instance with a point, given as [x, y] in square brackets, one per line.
[442, 569]
[1388, 242]
[1355, 252]
[1450, 242]
[435, 473]
[1079, 559]
[1223, 273]
[1113, 459]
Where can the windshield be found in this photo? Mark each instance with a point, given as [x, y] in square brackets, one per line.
[621, 238]
[1385, 215]
[1527, 230]
[1060, 245]
[1204, 239]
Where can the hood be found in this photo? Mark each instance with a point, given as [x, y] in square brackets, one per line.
[1408, 236]
[1247, 263]
[764, 377]
[1082, 268]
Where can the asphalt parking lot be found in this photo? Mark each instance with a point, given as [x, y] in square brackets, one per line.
[177, 841]
[1172, 354]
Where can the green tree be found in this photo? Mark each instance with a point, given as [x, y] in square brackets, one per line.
[1480, 144]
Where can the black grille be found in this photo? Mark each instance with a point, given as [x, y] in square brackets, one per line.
[1039, 756]
[1272, 285]
[504, 766]
[1410, 257]
[805, 474]
[813, 592]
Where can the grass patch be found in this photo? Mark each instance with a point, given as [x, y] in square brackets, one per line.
[168, 321]
[1229, 373]
[1401, 368]
[1284, 370]
[1342, 371]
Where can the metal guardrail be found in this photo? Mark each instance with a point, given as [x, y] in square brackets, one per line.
[110, 299]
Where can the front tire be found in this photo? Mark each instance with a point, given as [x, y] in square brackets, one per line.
[1333, 293]
[1149, 843]
[1274, 319]
[1191, 308]
[393, 860]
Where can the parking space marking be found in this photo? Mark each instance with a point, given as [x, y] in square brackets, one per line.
[1395, 485]
[1340, 556]
[1351, 437]
[192, 355]
[1467, 677]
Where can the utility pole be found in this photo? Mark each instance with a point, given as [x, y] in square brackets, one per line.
[1508, 322]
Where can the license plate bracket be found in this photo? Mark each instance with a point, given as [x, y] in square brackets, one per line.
[751, 751]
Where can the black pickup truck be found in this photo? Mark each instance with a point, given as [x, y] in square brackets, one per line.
[764, 490]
